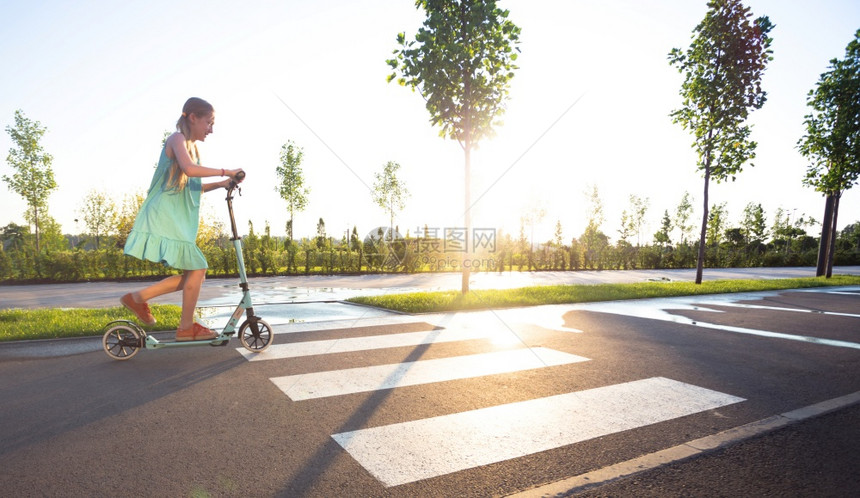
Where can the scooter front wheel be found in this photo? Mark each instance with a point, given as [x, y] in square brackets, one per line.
[122, 340]
[258, 341]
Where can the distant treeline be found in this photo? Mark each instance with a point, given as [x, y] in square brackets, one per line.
[60, 261]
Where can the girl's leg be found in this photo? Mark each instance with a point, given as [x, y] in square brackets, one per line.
[191, 282]
[166, 286]
[137, 301]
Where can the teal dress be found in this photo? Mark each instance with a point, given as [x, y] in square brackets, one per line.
[165, 230]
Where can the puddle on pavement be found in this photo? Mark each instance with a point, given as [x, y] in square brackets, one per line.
[296, 312]
[290, 295]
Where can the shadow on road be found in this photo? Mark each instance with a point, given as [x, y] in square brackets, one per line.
[89, 388]
[302, 484]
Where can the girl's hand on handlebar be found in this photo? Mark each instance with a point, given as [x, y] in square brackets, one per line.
[235, 175]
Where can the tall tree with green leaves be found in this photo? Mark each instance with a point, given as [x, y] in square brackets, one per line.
[99, 213]
[722, 70]
[717, 223]
[593, 240]
[33, 178]
[638, 208]
[462, 62]
[292, 182]
[662, 237]
[390, 193]
[682, 221]
[754, 224]
[321, 239]
[832, 142]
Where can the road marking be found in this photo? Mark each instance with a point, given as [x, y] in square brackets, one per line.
[355, 380]
[777, 308]
[657, 309]
[411, 451]
[844, 293]
[309, 348]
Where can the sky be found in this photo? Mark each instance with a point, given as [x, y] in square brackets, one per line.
[589, 107]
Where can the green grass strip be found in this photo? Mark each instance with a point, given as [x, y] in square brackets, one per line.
[433, 302]
[18, 324]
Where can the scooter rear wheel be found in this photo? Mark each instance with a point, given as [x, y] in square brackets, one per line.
[256, 343]
[122, 340]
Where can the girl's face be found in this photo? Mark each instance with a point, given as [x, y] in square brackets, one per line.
[201, 126]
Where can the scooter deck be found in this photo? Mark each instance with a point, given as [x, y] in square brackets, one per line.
[153, 343]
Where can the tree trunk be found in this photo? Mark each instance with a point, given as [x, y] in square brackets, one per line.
[823, 244]
[391, 221]
[36, 225]
[467, 214]
[467, 148]
[700, 263]
[831, 246]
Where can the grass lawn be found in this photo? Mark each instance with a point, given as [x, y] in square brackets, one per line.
[17, 324]
[430, 302]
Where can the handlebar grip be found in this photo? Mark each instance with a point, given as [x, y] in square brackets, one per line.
[240, 176]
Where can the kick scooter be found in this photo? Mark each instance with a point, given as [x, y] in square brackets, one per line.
[123, 339]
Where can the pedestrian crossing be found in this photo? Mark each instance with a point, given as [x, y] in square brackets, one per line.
[413, 450]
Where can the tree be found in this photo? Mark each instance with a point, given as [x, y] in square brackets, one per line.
[683, 213]
[390, 193]
[558, 246]
[627, 227]
[99, 213]
[52, 236]
[292, 182]
[321, 238]
[594, 212]
[14, 236]
[533, 216]
[783, 231]
[754, 224]
[662, 237]
[127, 214]
[832, 142]
[593, 240]
[33, 178]
[461, 61]
[850, 236]
[717, 217]
[722, 69]
[638, 208]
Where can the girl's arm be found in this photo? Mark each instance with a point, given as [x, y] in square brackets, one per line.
[176, 145]
[216, 185]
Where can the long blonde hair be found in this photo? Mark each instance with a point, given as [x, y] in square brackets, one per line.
[177, 179]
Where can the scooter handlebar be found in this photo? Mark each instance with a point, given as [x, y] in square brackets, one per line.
[234, 182]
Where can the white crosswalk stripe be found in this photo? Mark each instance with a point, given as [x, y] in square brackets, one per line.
[410, 451]
[355, 380]
[351, 344]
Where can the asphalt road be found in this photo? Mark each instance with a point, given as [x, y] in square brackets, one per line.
[461, 404]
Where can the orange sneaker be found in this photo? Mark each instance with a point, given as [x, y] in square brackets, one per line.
[140, 310]
[197, 332]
